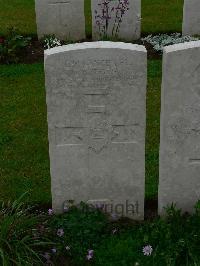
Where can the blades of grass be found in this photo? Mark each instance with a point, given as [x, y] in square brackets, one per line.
[2, 256]
[17, 204]
[6, 242]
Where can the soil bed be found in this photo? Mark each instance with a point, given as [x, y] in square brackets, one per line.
[34, 53]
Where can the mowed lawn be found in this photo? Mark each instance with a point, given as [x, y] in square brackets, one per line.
[157, 16]
[24, 160]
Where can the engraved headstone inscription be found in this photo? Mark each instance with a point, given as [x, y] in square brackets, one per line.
[63, 18]
[96, 94]
[179, 181]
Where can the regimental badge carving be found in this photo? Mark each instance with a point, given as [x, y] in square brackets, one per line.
[96, 138]
[99, 133]
[100, 138]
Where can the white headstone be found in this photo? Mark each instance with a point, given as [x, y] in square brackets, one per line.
[116, 19]
[96, 120]
[63, 18]
[179, 180]
[191, 17]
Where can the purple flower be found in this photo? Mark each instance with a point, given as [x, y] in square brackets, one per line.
[60, 232]
[90, 254]
[147, 250]
[50, 211]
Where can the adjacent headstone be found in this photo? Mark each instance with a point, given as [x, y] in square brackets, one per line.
[63, 18]
[180, 127]
[191, 17]
[96, 120]
[119, 19]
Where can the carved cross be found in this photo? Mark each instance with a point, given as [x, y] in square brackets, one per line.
[100, 136]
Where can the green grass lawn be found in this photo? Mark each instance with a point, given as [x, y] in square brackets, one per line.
[24, 162]
[157, 16]
[23, 133]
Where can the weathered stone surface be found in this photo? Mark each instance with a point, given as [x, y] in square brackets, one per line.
[191, 17]
[63, 18]
[130, 27]
[96, 119]
[180, 127]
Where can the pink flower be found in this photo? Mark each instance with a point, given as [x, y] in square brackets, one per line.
[90, 254]
[147, 250]
[60, 232]
[50, 211]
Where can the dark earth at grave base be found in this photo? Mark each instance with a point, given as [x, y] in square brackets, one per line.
[34, 53]
[151, 206]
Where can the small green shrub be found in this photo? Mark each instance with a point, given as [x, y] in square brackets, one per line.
[20, 241]
[12, 45]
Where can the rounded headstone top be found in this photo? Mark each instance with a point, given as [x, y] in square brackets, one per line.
[95, 45]
[181, 46]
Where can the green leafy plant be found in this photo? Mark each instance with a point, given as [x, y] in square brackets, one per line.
[173, 240]
[79, 231]
[12, 45]
[20, 240]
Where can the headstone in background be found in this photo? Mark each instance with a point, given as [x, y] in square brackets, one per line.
[116, 19]
[191, 17]
[179, 180]
[63, 18]
[96, 98]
